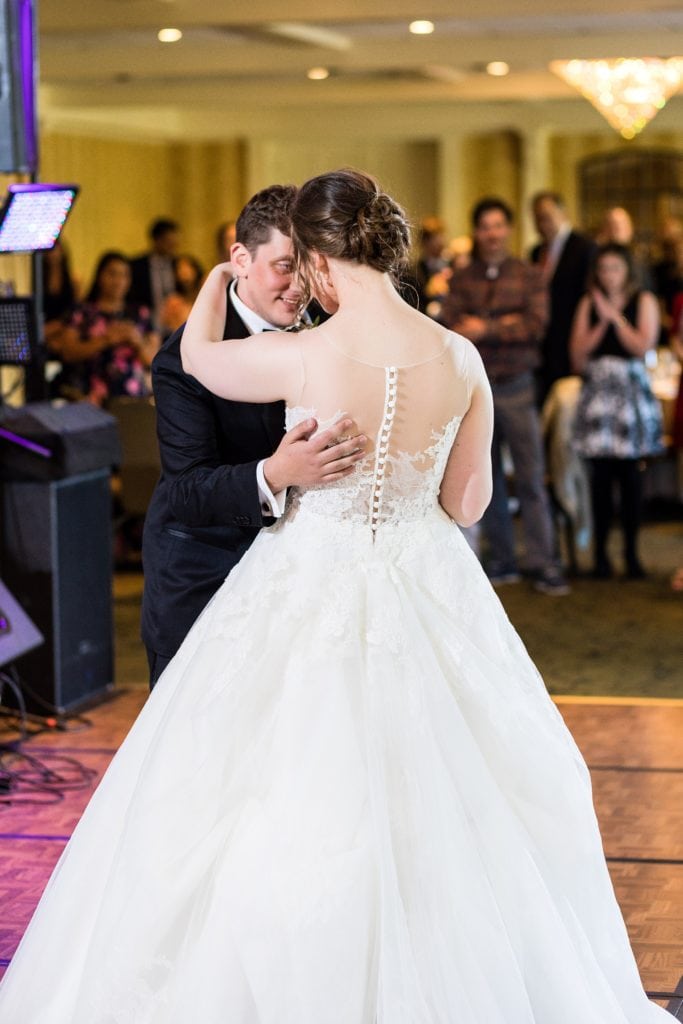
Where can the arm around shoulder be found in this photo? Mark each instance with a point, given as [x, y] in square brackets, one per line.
[262, 368]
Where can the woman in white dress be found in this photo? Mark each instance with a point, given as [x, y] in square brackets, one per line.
[349, 800]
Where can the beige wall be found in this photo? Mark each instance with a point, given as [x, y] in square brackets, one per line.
[123, 185]
[406, 168]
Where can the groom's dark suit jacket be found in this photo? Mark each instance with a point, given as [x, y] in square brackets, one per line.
[566, 286]
[205, 510]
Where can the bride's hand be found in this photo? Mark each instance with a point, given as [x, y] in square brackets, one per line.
[303, 460]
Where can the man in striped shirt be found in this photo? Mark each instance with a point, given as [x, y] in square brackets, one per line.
[501, 304]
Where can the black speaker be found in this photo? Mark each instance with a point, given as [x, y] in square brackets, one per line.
[18, 135]
[56, 559]
[17, 633]
[45, 441]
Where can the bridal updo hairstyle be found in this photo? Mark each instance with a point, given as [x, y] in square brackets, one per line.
[345, 215]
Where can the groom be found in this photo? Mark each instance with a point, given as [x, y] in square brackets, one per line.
[225, 466]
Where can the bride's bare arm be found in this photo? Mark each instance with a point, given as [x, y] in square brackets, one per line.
[466, 486]
[262, 368]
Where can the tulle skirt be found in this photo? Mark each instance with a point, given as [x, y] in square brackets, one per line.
[349, 800]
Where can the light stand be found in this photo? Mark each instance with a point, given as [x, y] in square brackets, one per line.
[31, 220]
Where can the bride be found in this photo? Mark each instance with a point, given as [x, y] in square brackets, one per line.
[350, 799]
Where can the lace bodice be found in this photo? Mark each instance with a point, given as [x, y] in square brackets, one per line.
[390, 485]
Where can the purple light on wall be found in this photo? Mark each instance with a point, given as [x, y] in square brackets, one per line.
[29, 76]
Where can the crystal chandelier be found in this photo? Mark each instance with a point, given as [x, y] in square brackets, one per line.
[628, 92]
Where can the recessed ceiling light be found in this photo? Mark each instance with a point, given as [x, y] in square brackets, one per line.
[498, 68]
[169, 35]
[317, 74]
[421, 28]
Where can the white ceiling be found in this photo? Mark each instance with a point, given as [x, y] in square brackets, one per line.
[97, 54]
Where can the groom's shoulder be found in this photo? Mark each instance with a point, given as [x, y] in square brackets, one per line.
[167, 359]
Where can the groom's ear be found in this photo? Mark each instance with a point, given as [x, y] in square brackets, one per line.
[240, 258]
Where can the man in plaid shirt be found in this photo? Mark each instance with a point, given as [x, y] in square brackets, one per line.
[501, 304]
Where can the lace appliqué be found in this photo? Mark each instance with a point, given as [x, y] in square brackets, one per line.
[393, 488]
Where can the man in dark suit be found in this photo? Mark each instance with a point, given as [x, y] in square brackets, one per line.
[152, 275]
[565, 258]
[225, 466]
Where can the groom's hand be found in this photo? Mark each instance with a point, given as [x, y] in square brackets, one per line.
[302, 460]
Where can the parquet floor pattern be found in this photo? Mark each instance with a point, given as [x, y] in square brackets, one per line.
[635, 754]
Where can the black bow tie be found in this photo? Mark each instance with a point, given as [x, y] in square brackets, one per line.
[292, 329]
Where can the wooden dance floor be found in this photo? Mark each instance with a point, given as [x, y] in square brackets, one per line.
[633, 748]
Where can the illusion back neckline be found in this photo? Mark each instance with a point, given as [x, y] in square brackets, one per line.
[394, 366]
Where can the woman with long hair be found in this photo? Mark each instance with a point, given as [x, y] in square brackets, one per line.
[618, 420]
[106, 344]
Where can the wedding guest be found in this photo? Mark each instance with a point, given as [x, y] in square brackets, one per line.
[152, 275]
[225, 239]
[189, 275]
[501, 304]
[107, 343]
[458, 255]
[430, 261]
[676, 339]
[668, 270]
[564, 257]
[617, 227]
[61, 290]
[618, 419]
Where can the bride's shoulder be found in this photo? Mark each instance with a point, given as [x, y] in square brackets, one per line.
[462, 348]
[466, 359]
[466, 348]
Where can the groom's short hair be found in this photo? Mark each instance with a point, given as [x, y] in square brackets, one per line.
[269, 209]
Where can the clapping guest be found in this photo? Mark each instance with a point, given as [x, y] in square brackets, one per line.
[106, 344]
[618, 420]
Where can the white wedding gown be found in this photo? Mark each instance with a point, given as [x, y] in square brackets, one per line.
[350, 799]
